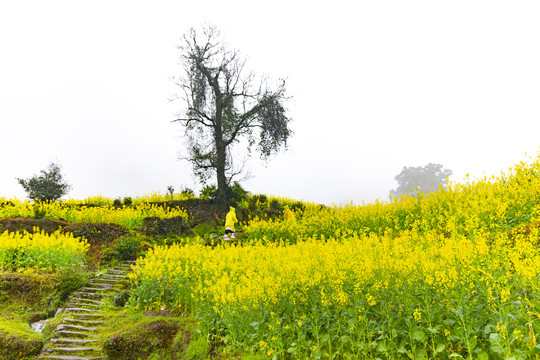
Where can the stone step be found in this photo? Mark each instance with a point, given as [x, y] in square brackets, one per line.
[90, 289]
[77, 316]
[102, 281]
[87, 294]
[72, 341]
[97, 302]
[75, 327]
[117, 272]
[100, 285]
[89, 322]
[114, 281]
[81, 304]
[71, 357]
[86, 306]
[75, 309]
[101, 290]
[73, 333]
[73, 349]
[113, 276]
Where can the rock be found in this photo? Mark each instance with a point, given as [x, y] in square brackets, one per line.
[14, 347]
[140, 341]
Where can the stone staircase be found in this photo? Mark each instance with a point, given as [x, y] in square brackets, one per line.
[76, 337]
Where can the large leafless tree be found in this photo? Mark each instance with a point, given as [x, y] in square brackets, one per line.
[223, 104]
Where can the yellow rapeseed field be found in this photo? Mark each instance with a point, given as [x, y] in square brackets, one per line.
[38, 250]
[452, 274]
[129, 216]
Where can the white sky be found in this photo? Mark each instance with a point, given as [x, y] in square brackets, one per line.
[376, 85]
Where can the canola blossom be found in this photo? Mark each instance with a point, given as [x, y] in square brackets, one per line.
[490, 204]
[129, 216]
[41, 251]
[101, 200]
[452, 274]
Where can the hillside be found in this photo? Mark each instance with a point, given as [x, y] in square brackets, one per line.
[454, 273]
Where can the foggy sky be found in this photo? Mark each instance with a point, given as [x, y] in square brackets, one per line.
[375, 86]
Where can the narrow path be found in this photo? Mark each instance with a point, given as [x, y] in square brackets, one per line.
[75, 338]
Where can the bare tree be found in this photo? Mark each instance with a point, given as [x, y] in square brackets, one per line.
[225, 103]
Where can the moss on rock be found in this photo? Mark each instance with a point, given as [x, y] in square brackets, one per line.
[18, 341]
[141, 340]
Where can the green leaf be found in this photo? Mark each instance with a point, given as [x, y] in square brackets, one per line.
[520, 354]
[497, 349]
[472, 343]
[483, 356]
[496, 343]
[489, 329]
[381, 347]
[450, 322]
[254, 325]
[534, 351]
[455, 355]
[345, 339]
[418, 335]
[536, 326]
[420, 355]
[401, 350]
[440, 347]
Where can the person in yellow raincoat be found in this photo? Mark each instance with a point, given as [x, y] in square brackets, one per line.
[289, 214]
[230, 220]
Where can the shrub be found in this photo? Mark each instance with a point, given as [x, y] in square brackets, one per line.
[187, 192]
[68, 282]
[237, 194]
[275, 205]
[121, 299]
[127, 201]
[49, 186]
[165, 227]
[128, 248]
[39, 211]
[117, 202]
[198, 349]
[208, 192]
[298, 206]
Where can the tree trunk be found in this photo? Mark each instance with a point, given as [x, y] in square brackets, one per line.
[222, 197]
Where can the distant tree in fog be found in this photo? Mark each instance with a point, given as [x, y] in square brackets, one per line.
[414, 180]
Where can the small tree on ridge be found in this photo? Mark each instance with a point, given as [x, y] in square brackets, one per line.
[49, 186]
